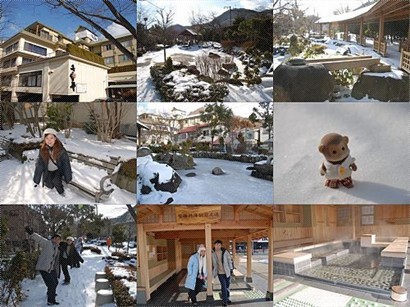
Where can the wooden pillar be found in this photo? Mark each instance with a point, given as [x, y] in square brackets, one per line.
[178, 255]
[234, 252]
[353, 222]
[320, 28]
[330, 30]
[249, 249]
[381, 30]
[208, 244]
[269, 291]
[361, 33]
[346, 34]
[143, 260]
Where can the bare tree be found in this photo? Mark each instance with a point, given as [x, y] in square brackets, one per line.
[342, 10]
[28, 113]
[100, 14]
[108, 116]
[164, 20]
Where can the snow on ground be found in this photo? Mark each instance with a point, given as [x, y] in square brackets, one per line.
[17, 178]
[334, 46]
[146, 89]
[80, 292]
[237, 186]
[378, 139]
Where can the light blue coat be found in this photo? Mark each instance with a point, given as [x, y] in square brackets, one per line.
[193, 270]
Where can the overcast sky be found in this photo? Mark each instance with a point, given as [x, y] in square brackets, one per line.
[326, 7]
[238, 108]
[183, 8]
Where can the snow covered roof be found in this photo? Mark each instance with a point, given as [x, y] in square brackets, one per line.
[192, 128]
[188, 32]
[348, 15]
[139, 124]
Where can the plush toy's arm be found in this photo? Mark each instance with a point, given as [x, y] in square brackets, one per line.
[353, 166]
[323, 169]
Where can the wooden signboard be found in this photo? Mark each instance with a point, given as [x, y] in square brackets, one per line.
[197, 214]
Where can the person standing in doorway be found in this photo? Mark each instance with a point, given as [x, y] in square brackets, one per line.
[48, 262]
[223, 268]
[197, 274]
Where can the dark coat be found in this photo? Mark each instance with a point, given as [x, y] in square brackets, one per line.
[63, 164]
[73, 256]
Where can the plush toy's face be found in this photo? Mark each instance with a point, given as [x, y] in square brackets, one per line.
[334, 147]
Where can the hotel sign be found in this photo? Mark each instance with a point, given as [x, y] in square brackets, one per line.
[197, 214]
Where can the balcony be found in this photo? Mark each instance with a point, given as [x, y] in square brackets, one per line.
[43, 35]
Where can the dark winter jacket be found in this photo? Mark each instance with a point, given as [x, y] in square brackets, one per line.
[63, 164]
[73, 256]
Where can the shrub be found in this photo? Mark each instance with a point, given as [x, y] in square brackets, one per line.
[121, 294]
[227, 45]
[168, 67]
[343, 77]
[314, 50]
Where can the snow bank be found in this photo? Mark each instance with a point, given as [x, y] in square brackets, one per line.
[378, 139]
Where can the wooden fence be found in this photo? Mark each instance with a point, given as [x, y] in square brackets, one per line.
[405, 61]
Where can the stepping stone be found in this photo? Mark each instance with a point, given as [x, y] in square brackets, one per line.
[102, 283]
[104, 297]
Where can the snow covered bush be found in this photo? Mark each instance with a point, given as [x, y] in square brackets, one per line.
[343, 77]
[181, 86]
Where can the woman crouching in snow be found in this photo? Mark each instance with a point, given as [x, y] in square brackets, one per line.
[52, 163]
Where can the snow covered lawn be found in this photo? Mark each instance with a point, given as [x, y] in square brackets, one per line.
[80, 292]
[235, 187]
[17, 178]
[378, 139]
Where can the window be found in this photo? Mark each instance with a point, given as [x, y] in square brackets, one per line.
[107, 47]
[27, 60]
[12, 48]
[123, 58]
[6, 64]
[35, 49]
[126, 43]
[31, 79]
[109, 60]
[6, 80]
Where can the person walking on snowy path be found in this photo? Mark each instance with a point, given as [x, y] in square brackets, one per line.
[48, 262]
[53, 163]
[68, 257]
[223, 268]
[197, 274]
[108, 241]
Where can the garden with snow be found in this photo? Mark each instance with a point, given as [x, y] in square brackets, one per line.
[378, 140]
[381, 81]
[204, 73]
[17, 170]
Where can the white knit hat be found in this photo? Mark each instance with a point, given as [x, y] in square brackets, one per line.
[49, 131]
[70, 238]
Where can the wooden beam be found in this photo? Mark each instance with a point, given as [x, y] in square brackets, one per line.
[338, 59]
[350, 64]
[243, 224]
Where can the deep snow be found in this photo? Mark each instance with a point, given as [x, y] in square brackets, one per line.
[146, 90]
[18, 186]
[237, 186]
[378, 139]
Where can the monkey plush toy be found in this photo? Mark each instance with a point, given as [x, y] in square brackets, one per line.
[338, 166]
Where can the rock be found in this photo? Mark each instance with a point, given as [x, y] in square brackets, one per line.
[176, 161]
[143, 152]
[302, 83]
[170, 186]
[145, 189]
[382, 87]
[230, 66]
[223, 72]
[263, 170]
[234, 82]
[214, 55]
[191, 174]
[250, 168]
[217, 171]
[193, 70]
[205, 79]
